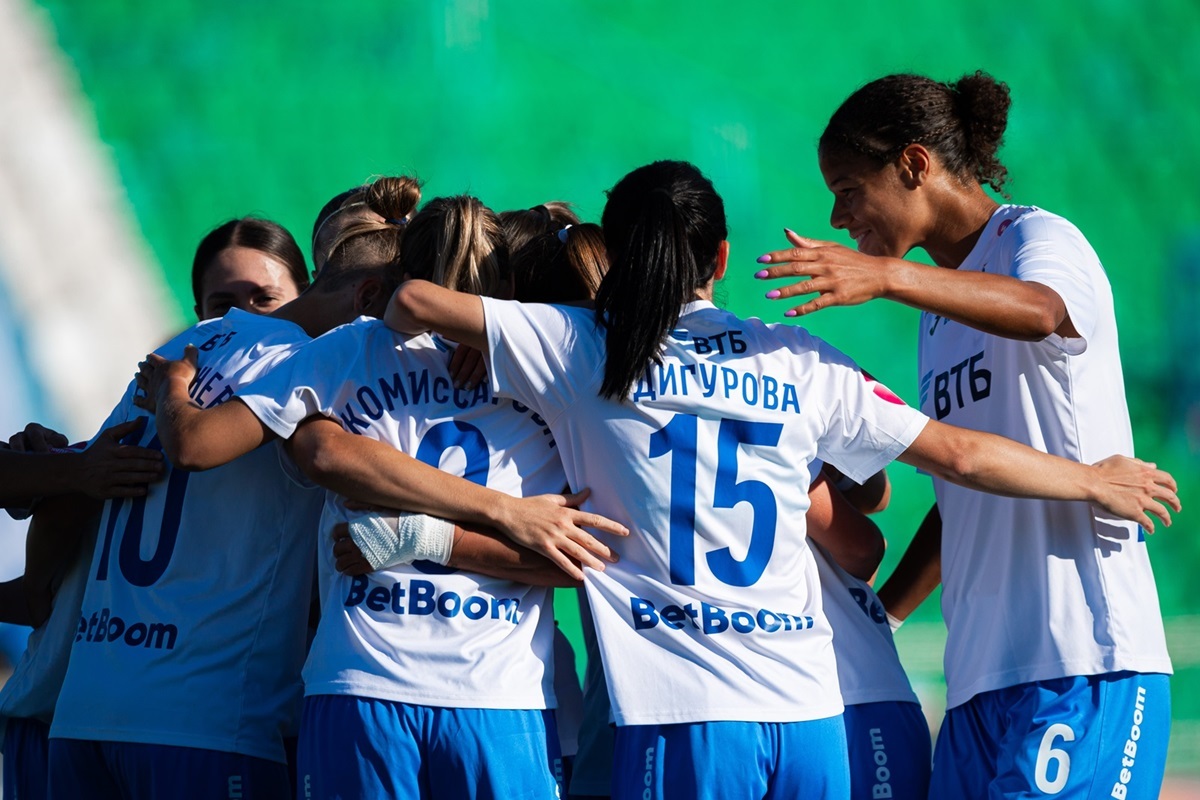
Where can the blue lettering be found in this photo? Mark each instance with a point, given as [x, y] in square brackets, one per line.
[421, 601]
[393, 391]
[770, 393]
[419, 387]
[715, 619]
[442, 384]
[666, 379]
[789, 395]
[475, 607]
[449, 604]
[378, 599]
[749, 382]
[673, 617]
[367, 399]
[351, 421]
[643, 613]
[729, 380]
[358, 591]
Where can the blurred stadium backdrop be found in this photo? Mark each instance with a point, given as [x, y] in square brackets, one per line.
[129, 128]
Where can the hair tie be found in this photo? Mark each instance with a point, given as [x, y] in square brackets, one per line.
[393, 221]
[562, 234]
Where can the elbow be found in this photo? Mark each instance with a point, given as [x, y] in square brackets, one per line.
[404, 311]
[317, 458]
[865, 563]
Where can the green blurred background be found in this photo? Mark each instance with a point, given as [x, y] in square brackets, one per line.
[222, 108]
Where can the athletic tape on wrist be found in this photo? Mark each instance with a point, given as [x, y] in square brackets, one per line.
[894, 622]
[387, 541]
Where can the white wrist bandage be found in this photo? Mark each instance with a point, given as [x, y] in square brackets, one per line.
[894, 623]
[387, 541]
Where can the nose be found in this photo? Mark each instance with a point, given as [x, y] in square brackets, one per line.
[839, 217]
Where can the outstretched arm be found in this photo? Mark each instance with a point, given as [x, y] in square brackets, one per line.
[105, 469]
[195, 438]
[377, 474]
[919, 571]
[996, 304]
[1125, 487]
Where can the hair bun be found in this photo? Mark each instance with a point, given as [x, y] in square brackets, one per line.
[394, 198]
[982, 104]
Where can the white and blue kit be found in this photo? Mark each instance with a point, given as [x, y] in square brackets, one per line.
[192, 630]
[406, 651]
[713, 614]
[29, 695]
[1038, 592]
[886, 732]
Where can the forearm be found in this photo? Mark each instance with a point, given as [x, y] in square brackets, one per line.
[28, 476]
[489, 553]
[919, 571]
[419, 306]
[990, 463]
[851, 539]
[995, 304]
[377, 474]
[196, 438]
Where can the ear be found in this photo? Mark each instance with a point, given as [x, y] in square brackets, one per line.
[722, 260]
[915, 164]
[368, 294]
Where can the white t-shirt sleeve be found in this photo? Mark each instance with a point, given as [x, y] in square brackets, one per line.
[1051, 251]
[538, 354]
[867, 425]
[294, 389]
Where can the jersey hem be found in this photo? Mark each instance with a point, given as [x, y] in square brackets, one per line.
[170, 739]
[739, 714]
[505, 702]
[1005, 680]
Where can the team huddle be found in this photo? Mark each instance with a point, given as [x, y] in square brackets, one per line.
[312, 551]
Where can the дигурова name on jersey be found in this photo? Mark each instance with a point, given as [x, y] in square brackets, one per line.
[420, 598]
[949, 386]
[710, 619]
[418, 387]
[104, 627]
[707, 380]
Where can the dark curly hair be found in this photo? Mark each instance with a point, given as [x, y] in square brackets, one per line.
[963, 122]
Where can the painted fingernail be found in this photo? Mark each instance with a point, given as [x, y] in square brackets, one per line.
[792, 313]
[789, 230]
[765, 259]
[762, 273]
[774, 293]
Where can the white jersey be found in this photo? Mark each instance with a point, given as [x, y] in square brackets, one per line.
[1034, 589]
[32, 690]
[193, 625]
[714, 610]
[869, 668]
[422, 633]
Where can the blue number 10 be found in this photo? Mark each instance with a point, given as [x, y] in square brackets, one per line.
[678, 437]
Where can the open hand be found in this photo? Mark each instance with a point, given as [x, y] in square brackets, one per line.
[109, 468]
[348, 559]
[840, 276]
[1134, 489]
[553, 525]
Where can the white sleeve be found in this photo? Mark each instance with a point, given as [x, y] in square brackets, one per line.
[867, 425]
[1051, 251]
[543, 356]
[295, 388]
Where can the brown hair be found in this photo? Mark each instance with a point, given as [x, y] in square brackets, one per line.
[456, 242]
[963, 122]
[254, 233]
[522, 227]
[369, 244]
[562, 267]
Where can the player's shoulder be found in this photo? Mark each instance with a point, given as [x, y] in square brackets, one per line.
[1025, 223]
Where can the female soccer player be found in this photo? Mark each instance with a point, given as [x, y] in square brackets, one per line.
[200, 590]
[1055, 659]
[248, 263]
[697, 427]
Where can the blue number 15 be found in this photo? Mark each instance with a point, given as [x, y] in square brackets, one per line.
[678, 437]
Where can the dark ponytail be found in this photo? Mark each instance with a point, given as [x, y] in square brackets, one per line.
[663, 227]
[962, 122]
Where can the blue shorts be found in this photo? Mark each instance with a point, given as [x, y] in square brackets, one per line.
[732, 760]
[26, 751]
[103, 770]
[361, 747]
[1098, 736]
[889, 750]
